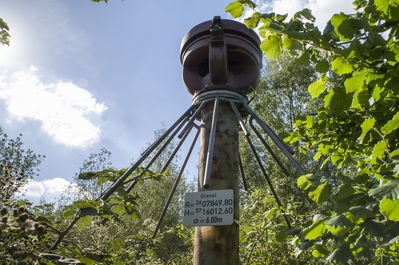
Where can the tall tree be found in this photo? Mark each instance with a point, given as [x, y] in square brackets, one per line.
[280, 99]
[355, 131]
[17, 165]
[119, 229]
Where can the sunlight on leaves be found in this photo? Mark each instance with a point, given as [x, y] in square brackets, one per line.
[390, 209]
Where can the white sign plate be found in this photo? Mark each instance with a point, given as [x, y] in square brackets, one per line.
[208, 208]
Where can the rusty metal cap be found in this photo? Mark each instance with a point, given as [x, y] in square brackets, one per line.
[203, 51]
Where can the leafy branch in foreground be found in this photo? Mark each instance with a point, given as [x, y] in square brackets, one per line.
[4, 33]
[119, 204]
[356, 130]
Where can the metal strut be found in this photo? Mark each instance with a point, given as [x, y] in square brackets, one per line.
[244, 182]
[187, 122]
[178, 147]
[279, 142]
[159, 152]
[268, 180]
[268, 147]
[192, 119]
[177, 180]
[120, 181]
[241, 122]
[244, 129]
[208, 165]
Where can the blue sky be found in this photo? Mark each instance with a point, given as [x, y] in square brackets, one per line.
[80, 76]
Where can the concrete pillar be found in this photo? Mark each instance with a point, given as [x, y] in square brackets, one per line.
[219, 245]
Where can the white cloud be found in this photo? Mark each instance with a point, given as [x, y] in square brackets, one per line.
[289, 7]
[321, 9]
[33, 189]
[64, 109]
[48, 187]
[50, 190]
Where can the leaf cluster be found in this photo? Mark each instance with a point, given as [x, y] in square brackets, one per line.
[23, 235]
[4, 33]
[355, 130]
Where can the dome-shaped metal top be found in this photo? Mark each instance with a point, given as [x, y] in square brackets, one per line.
[221, 54]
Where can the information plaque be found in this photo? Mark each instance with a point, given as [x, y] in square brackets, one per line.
[208, 208]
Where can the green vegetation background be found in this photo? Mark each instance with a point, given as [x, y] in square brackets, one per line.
[332, 95]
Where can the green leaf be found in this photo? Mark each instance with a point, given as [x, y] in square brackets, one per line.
[281, 234]
[306, 13]
[309, 122]
[86, 204]
[84, 222]
[391, 125]
[235, 9]
[322, 66]
[117, 245]
[340, 66]
[253, 21]
[360, 98]
[343, 26]
[394, 154]
[366, 126]
[338, 221]
[303, 182]
[337, 100]
[119, 209]
[356, 82]
[390, 209]
[303, 59]
[374, 228]
[271, 46]
[360, 214]
[88, 211]
[389, 190]
[90, 259]
[291, 44]
[319, 251]
[316, 88]
[335, 158]
[321, 193]
[376, 39]
[341, 255]
[344, 192]
[69, 213]
[248, 3]
[383, 5]
[338, 225]
[317, 229]
[378, 151]
[87, 175]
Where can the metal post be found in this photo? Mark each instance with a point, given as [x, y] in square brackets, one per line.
[219, 245]
[221, 61]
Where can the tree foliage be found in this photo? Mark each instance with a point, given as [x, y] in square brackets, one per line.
[355, 130]
[343, 117]
[17, 165]
[280, 99]
[4, 33]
